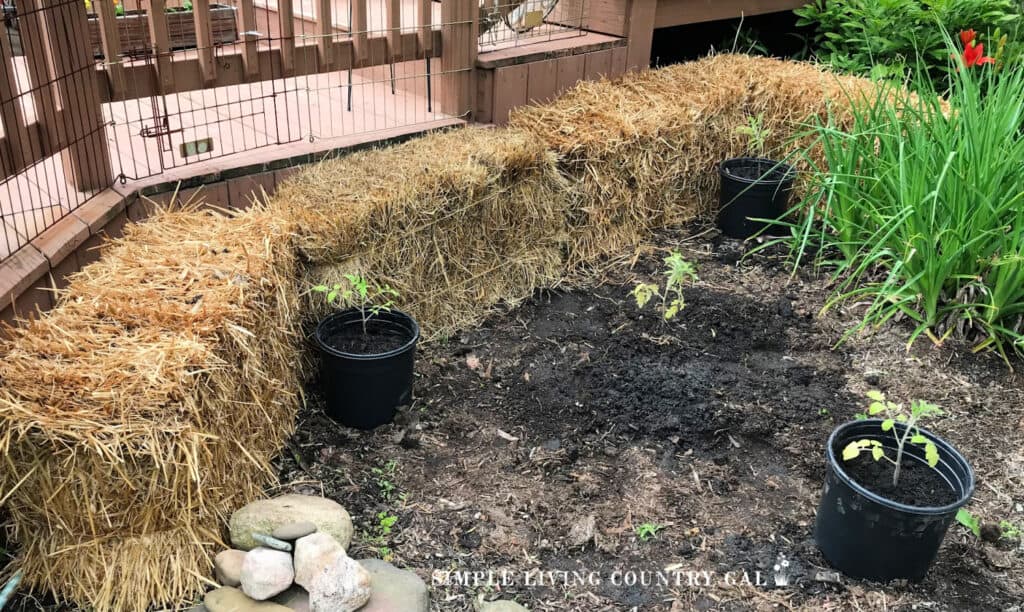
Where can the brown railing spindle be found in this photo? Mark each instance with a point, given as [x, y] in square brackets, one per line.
[425, 32]
[394, 26]
[286, 17]
[204, 39]
[358, 31]
[111, 40]
[325, 30]
[250, 51]
[15, 129]
[161, 45]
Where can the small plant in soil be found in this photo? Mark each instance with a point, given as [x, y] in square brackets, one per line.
[968, 520]
[385, 476]
[893, 413]
[369, 298]
[646, 531]
[1009, 530]
[677, 272]
[381, 533]
[757, 135]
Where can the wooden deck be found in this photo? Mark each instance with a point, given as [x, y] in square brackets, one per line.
[250, 123]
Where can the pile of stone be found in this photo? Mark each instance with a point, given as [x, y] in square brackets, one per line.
[290, 555]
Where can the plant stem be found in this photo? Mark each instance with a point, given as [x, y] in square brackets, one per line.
[900, 443]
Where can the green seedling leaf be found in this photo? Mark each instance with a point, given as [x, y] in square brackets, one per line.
[887, 424]
[851, 451]
[876, 408]
[918, 439]
[876, 395]
[877, 453]
[931, 454]
[968, 520]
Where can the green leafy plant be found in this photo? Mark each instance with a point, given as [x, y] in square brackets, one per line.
[918, 207]
[968, 520]
[369, 298]
[385, 479]
[1009, 530]
[381, 533]
[892, 413]
[677, 272]
[646, 531]
[757, 135]
[890, 38]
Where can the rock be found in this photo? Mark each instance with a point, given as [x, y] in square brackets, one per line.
[271, 542]
[198, 608]
[502, 605]
[294, 531]
[266, 572]
[266, 515]
[394, 590]
[296, 599]
[230, 599]
[342, 586]
[582, 531]
[227, 567]
[312, 554]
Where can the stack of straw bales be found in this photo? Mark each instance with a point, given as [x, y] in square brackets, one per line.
[456, 222]
[139, 413]
[642, 153]
[142, 410]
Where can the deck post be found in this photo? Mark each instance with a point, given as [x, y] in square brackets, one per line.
[81, 134]
[640, 33]
[460, 20]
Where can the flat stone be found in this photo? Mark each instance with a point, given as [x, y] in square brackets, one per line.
[266, 515]
[393, 589]
[230, 599]
[227, 567]
[266, 572]
[313, 553]
[296, 599]
[294, 531]
[502, 605]
[272, 542]
[342, 586]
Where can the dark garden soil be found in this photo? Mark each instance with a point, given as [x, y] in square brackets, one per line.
[542, 442]
[376, 340]
[919, 485]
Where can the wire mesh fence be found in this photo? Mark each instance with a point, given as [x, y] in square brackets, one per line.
[186, 82]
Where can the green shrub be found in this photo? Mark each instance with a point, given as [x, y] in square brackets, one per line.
[921, 210]
[885, 38]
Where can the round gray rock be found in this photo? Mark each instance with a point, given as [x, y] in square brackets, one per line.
[227, 567]
[266, 515]
[266, 572]
[394, 590]
[230, 599]
[294, 531]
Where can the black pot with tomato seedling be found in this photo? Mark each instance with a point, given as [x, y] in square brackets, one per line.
[367, 353]
[892, 489]
[755, 190]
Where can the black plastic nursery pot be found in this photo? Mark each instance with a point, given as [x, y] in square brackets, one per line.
[752, 188]
[364, 390]
[866, 535]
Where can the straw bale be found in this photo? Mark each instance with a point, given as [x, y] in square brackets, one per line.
[141, 411]
[641, 152]
[456, 222]
[149, 402]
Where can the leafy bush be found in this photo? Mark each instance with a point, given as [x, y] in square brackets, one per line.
[885, 38]
[922, 208]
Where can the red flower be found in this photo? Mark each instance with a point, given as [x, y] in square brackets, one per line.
[967, 37]
[974, 55]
